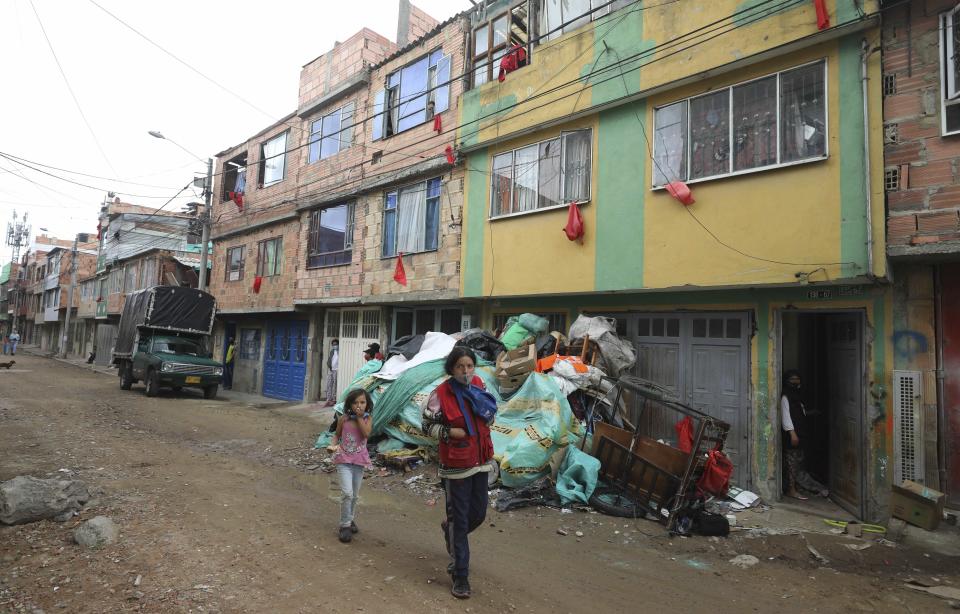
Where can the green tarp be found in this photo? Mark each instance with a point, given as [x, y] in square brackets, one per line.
[535, 424]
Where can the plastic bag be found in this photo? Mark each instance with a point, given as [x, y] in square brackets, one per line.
[716, 474]
[684, 430]
[514, 336]
[486, 346]
[574, 227]
[577, 477]
[534, 323]
[407, 346]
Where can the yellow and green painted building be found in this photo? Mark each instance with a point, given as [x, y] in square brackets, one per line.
[774, 125]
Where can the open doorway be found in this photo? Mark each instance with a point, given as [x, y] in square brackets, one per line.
[827, 349]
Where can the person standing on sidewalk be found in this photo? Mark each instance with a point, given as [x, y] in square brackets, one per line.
[228, 365]
[14, 341]
[333, 364]
[459, 414]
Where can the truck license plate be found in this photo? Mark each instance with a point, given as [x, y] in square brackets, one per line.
[193, 379]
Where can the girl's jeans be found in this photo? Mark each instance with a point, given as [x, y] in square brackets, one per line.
[350, 478]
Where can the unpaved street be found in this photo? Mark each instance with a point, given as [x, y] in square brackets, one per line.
[222, 509]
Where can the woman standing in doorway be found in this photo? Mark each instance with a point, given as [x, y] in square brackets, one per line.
[459, 414]
[793, 416]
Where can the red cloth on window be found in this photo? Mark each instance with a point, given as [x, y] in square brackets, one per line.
[574, 227]
[237, 198]
[681, 192]
[514, 59]
[823, 16]
[256, 284]
[684, 430]
[399, 274]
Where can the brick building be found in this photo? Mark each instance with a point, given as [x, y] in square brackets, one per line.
[56, 292]
[139, 247]
[366, 177]
[921, 87]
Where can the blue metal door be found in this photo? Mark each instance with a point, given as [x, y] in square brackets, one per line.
[285, 360]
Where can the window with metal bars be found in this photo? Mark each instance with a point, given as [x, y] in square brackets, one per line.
[891, 179]
[889, 85]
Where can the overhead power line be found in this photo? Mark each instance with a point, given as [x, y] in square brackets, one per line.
[70, 89]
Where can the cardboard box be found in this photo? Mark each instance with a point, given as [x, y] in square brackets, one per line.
[518, 361]
[917, 504]
[508, 384]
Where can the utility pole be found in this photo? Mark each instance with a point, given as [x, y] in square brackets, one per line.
[205, 223]
[73, 284]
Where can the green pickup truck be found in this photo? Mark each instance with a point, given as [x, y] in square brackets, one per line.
[162, 341]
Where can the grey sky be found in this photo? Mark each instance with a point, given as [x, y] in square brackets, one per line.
[125, 87]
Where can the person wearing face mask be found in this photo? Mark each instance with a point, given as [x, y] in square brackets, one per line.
[793, 417]
[459, 414]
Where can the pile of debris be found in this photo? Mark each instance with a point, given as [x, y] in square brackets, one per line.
[568, 420]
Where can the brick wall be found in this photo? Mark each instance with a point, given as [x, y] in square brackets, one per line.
[259, 203]
[924, 208]
[276, 292]
[418, 24]
[437, 271]
[353, 55]
[420, 143]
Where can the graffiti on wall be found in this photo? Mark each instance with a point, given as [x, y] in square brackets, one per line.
[909, 343]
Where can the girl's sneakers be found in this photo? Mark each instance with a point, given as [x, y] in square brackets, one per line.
[345, 534]
[461, 587]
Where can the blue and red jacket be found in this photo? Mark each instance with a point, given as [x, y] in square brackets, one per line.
[471, 450]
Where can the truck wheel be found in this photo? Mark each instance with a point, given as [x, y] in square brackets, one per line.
[210, 392]
[152, 382]
[126, 376]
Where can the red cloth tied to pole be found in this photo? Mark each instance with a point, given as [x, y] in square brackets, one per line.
[574, 227]
[400, 274]
[823, 17]
[437, 124]
[256, 284]
[451, 158]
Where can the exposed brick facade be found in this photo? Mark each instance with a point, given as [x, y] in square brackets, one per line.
[923, 208]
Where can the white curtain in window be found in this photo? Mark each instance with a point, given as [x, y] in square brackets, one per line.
[549, 17]
[576, 165]
[273, 159]
[412, 214]
[525, 183]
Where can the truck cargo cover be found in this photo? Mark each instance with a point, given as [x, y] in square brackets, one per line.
[171, 308]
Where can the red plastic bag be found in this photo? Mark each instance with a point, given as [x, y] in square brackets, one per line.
[716, 474]
[574, 227]
[684, 430]
[399, 273]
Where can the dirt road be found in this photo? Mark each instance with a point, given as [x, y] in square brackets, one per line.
[222, 509]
